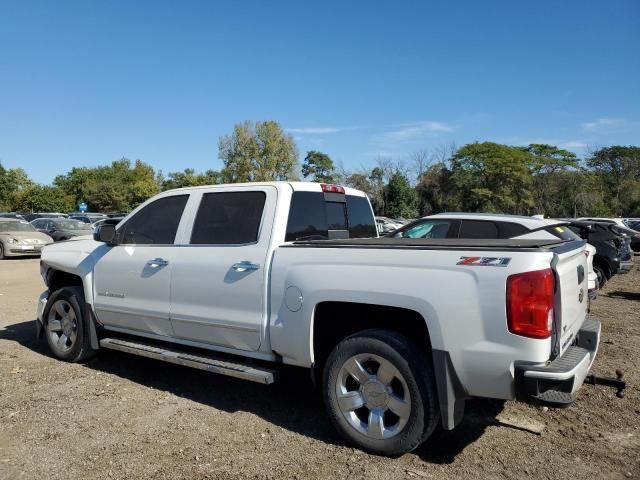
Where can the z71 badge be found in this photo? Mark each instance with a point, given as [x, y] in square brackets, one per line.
[485, 261]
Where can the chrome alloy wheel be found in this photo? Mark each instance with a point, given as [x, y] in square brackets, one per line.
[62, 326]
[373, 396]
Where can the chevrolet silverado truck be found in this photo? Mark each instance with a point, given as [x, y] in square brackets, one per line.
[396, 332]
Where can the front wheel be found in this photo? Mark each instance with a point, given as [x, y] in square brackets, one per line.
[380, 393]
[66, 327]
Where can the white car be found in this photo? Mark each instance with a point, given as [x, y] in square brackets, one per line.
[242, 279]
[490, 225]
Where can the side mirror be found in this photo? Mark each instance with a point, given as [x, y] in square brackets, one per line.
[105, 233]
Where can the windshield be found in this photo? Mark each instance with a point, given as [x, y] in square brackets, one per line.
[71, 225]
[16, 227]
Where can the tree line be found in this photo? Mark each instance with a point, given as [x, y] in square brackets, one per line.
[477, 177]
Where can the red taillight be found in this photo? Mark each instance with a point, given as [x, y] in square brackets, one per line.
[530, 303]
[327, 188]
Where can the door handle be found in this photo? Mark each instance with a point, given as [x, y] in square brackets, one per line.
[244, 265]
[157, 262]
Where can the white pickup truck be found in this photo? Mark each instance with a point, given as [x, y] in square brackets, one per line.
[239, 279]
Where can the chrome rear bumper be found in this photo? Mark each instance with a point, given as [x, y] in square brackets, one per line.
[557, 383]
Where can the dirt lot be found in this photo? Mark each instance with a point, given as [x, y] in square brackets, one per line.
[120, 416]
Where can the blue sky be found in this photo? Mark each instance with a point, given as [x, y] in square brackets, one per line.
[88, 82]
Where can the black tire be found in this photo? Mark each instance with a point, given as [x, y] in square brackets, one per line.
[601, 273]
[1, 251]
[78, 350]
[413, 364]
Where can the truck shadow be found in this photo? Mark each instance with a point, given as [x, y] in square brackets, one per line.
[624, 295]
[290, 403]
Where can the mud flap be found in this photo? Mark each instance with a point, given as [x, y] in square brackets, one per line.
[451, 395]
[93, 331]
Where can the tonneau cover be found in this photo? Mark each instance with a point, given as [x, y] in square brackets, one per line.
[442, 243]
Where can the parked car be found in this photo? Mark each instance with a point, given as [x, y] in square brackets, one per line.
[11, 215]
[30, 217]
[386, 225]
[633, 234]
[611, 256]
[616, 220]
[62, 228]
[18, 238]
[111, 220]
[89, 218]
[493, 226]
[396, 332]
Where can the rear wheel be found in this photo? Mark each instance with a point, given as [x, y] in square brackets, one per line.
[66, 328]
[379, 392]
[601, 273]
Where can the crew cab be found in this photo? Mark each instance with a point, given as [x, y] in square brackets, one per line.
[397, 333]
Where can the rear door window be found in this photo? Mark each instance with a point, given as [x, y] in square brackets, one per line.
[478, 229]
[228, 218]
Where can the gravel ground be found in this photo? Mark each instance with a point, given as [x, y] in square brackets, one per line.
[121, 416]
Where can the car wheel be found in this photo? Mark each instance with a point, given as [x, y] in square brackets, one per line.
[601, 274]
[379, 391]
[1, 251]
[66, 327]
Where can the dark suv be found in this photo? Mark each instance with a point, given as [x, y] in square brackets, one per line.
[613, 254]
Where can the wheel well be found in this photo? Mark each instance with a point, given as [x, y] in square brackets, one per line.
[59, 279]
[334, 321]
[604, 265]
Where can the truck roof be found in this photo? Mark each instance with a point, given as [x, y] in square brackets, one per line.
[295, 186]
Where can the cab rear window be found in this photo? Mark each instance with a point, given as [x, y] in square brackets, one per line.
[313, 218]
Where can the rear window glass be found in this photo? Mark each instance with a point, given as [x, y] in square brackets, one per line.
[511, 230]
[478, 229]
[311, 217]
[563, 232]
[361, 221]
[336, 215]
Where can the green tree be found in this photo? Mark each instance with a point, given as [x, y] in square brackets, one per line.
[436, 190]
[401, 197]
[40, 198]
[618, 169]
[12, 181]
[493, 178]
[189, 178]
[258, 152]
[118, 187]
[319, 166]
[547, 161]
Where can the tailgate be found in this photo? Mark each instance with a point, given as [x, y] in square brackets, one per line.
[571, 299]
